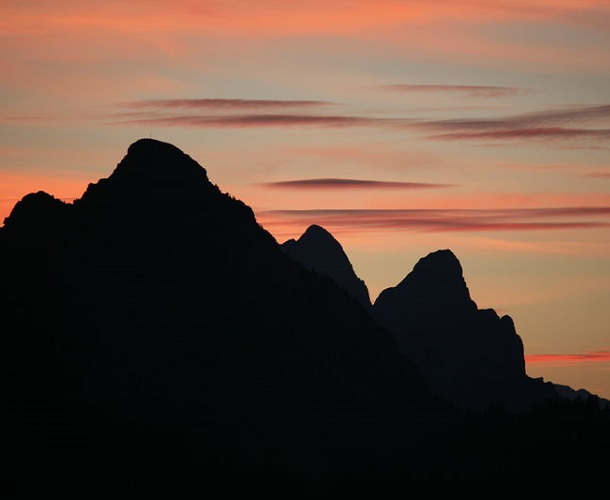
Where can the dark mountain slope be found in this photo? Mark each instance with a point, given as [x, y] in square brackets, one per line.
[156, 307]
[318, 250]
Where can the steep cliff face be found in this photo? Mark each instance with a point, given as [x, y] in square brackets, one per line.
[319, 251]
[470, 356]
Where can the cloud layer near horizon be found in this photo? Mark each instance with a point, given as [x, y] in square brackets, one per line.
[434, 220]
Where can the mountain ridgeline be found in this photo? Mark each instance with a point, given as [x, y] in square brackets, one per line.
[470, 357]
[158, 343]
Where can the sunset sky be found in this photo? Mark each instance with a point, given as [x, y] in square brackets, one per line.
[400, 126]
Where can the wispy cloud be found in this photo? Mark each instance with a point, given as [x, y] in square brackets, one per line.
[546, 133]
[586, 124]
[32, 118]
[332, 183]
[598, 175]
[443, 220]
[545, 118]
[567, 114]
[263, 120]
[569, 359]
[467, 90]
[577, 122]
[225, 104]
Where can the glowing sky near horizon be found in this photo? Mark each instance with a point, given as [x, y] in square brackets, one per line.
[401, 126]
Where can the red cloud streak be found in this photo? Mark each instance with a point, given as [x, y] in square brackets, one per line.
[569, 359]
[331, 183]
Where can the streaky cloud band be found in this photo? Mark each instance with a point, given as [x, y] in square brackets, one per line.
[569, 359]
[552, 133]
[333, 183]
[468, 90]
[443, 220]
[264, 120]
[228, 104]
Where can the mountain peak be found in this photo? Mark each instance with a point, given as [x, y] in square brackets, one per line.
[441, 263]
[147, 144]
[318, 240]
[149, 159]
[317, 232]
[154, 175]
[318, 250]
[439, 278]
[470, 356]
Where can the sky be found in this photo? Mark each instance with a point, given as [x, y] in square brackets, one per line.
[401, 126]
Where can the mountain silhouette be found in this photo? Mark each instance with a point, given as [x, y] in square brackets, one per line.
[470, 356]
[158, 302]
[318, 250]
[157, 342]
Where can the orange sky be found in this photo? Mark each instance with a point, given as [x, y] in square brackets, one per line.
[402, 126]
